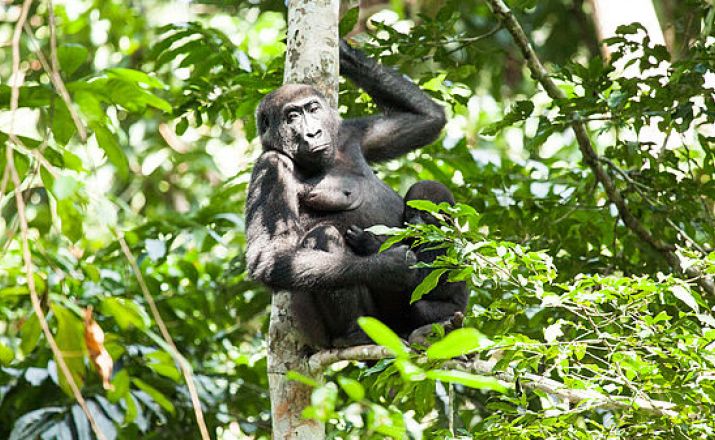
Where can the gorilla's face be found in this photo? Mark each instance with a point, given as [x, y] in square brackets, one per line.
[297, 121]
[309, 124]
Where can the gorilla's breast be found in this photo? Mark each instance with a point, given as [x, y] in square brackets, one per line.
[344, 200]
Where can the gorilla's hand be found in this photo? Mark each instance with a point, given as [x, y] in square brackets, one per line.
[362, 242]
[396, 264]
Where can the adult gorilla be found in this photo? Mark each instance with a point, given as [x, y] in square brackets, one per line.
[313, 181]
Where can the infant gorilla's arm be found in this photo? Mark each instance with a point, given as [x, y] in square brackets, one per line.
[362, 242]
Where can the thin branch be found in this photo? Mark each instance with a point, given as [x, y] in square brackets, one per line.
[53, 71]
[590, 157]
[530, 381]
[24, 232]
[687, 237]
[322, 359]
[183, 363]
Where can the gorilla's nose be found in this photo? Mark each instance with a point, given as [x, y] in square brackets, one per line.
[314, 134]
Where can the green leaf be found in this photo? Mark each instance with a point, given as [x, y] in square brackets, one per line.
[133, 97]
[424, 205]
[347, 23]
[519, 112]
[30, 335]
[30, 96]
[181, 126]
[155, 394]
[120, 382]
[135, 76]
[14, 291]
[459, 342]
[305, 380]
[685, 296]
[90, 105]
[63, 127]
[127, 313]
[382, 335]
[436, 83]
[72, 219]
[108, 142]
[6, 354]
[65, 187]
[352, 388]
[71, 56]
[162, 363]
[468, 379]
[70, 340]
[72, 161]
[132, 410]
[427, 284]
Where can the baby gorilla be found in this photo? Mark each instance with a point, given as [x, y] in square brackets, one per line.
[446, 303]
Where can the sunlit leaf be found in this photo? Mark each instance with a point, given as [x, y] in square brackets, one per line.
[459, 342]
[468, 379]
[382, 335]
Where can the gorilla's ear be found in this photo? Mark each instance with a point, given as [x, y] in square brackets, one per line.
[262, 122]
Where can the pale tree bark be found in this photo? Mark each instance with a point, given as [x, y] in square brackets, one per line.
[311, 58]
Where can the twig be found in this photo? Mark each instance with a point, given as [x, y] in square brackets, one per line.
[321, 359]
[24, 233]
[530, 381]
[687, 237]
[56, 78]
[183, 363]
[5, 180]
[590, 157]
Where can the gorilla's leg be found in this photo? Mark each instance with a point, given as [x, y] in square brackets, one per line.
[339, 309]
[429, 310]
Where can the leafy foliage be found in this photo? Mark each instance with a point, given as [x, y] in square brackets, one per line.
[561, 288]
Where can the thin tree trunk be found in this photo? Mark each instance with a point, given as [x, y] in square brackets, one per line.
[311, 58]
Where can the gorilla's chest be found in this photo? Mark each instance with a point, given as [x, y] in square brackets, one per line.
[348, 194]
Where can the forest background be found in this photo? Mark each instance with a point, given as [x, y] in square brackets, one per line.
[584, 229]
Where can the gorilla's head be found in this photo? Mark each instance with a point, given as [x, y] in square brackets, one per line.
[430, 190]
[297, 121]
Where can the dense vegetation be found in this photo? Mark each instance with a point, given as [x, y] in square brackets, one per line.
[134, 126]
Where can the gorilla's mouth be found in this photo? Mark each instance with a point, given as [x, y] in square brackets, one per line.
[320, 148]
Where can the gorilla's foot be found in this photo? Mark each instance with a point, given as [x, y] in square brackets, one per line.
[422, 335]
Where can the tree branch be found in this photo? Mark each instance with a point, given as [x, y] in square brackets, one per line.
[592, 398]
[590, 157]
[322, 359]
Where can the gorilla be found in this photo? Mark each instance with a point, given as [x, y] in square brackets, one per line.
[313, 182]
[446, 302]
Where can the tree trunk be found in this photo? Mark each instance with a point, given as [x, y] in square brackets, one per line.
[311, 58]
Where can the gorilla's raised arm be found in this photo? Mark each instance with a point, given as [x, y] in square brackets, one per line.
[410, 118]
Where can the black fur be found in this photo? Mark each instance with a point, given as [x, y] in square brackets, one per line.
[313, 181]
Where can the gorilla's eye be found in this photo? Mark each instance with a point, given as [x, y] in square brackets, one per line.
[314, 107]
[292, 116]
